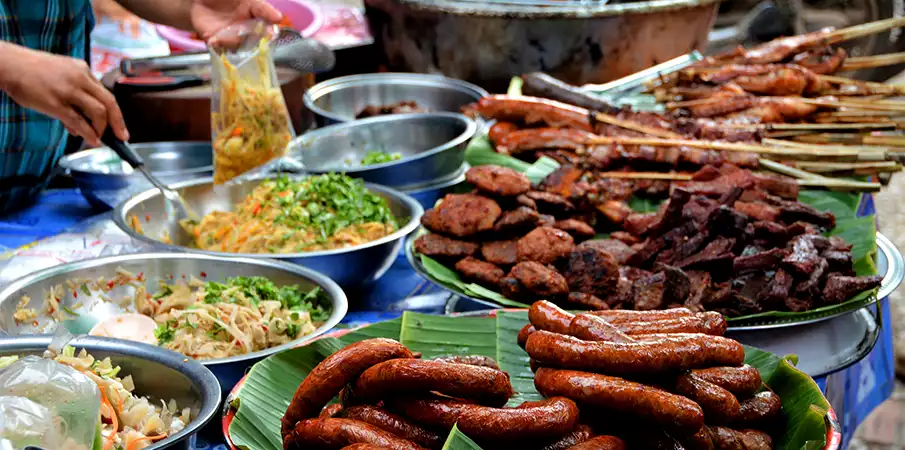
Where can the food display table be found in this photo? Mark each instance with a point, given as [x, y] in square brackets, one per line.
[62, 227]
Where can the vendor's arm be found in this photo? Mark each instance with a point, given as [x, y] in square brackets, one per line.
[60, 87]
[205, 17]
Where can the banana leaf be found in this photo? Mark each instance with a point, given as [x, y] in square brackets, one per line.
[271, 383]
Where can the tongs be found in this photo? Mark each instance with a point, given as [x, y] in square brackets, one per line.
[628, 84]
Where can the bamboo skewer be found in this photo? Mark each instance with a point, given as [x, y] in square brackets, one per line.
[635, 126]
[868, 62]
[812, 126]
[868, 105]
[863, 168]
[862, 30]
[808, 179]
[728, 146]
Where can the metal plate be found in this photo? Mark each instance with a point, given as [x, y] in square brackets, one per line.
[889, 261]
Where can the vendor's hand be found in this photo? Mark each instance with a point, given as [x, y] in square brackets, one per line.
[63, 88]
[210, 16]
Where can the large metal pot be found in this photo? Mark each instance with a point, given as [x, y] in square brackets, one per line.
[489, 42]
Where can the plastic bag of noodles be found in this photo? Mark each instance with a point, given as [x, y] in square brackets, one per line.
[250, 123]
[53, 398]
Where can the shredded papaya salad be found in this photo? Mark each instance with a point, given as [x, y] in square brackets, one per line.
[251, 125]
[128, 421]
[320, 212]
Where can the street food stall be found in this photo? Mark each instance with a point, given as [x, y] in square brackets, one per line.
[558, 250]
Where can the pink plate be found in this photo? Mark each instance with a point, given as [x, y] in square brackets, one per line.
[305, 17]
[833, 429]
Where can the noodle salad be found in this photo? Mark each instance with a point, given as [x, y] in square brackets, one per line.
[291, 216]
[128, 421]
[203, 319]
[251, 126]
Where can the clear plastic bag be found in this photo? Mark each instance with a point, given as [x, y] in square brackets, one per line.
[250, 122]
[71, 398]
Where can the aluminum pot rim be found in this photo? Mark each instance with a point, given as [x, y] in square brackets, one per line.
[324, 88]
[456, 178]
[412, 205]
[201, 376]
[67, 161]
[471, 129]
[493, 11]
[338, 296]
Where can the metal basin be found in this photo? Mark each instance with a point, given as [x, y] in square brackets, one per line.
[349, 267]
[341, 99]
[159, 266]
[105, 180]
[432, 146]
[157, 372]
[428, 194]
[487, 43]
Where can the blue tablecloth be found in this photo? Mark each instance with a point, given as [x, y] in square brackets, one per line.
[853, 392]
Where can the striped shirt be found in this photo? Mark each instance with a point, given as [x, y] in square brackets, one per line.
[30, 142]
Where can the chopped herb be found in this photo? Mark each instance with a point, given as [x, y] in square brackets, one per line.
[164, 291]
[215, 332]
[293, 330]
[69, 311]
[84, 288]
[165, 332]
[372, 158]
[190, 324]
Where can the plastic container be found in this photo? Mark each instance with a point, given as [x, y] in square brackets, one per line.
[304, 17]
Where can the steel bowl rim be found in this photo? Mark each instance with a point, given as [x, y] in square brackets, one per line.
[490, 11]
[337, 295]
[471, 128]
[456, 178]
[200, 376]
[330, 86]
[414, 222]
[67, 162]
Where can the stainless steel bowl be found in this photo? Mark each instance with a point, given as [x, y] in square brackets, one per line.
[158, 373]
[432, 147]
[341, 99]
[349, 267]
[160, 266]
[105, 180]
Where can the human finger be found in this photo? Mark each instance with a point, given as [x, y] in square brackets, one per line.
[77, 125]
[114, 116]
[93, 110]
[261, 9]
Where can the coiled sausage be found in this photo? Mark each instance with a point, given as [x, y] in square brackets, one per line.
[409, 376]
[393, 423]
[616, 394]
[337, 370]
[330, 410]
[332, 434]
[645, 357]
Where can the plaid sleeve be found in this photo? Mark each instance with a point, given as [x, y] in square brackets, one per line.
[31, 143]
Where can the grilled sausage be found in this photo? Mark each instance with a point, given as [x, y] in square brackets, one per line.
[713, 324]
[698, 441]
[393, 423]
[533, 110]
[546, 316]
[600, 443]
[624, 315]
[471, 360]
[589, 327]
[742, 381]
[646, 357]
[330, 411]
[332, 434]
[759, 411]
[543, 85]
[580, 434]
[728, 439]
[364, 447]
[616, 394]
[409, 376]
[719, 405]
[524, 333]
[336, 371]
[549, 419]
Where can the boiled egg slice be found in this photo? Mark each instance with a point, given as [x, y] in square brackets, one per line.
[128, 326]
